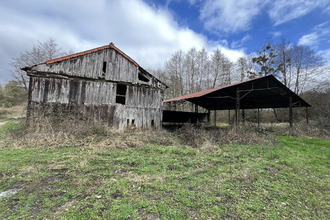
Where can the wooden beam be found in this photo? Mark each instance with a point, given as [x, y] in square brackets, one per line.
[290, 111]
[258, 117]
[307, 115]
[243, 115]
[215, 117]
[237, 106]
[228, 116]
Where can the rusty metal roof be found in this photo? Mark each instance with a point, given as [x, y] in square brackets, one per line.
[111, 45]
[262, 92]
[205, 92]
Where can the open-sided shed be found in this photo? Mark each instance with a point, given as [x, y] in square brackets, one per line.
[263, 92]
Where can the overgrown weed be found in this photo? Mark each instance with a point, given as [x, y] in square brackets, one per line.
[64, 132]
[301, 129]
[12, 112]
[242, 134]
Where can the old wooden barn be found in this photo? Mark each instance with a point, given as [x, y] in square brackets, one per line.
[103, 84]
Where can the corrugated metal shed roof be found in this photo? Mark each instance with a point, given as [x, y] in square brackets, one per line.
[263, 92]
[205, 92]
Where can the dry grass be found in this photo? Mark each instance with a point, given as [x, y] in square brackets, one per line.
[208, 138]
[13, 112]
[64, 132]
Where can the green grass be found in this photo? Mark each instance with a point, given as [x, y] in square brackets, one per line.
[289, 180]
[11, 126]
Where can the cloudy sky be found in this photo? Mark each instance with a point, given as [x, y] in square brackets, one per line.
[151, 30]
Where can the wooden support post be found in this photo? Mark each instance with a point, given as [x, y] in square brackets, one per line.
[258, 118]
[208, 115]
[307, 115]
[228, 116]
[290, 111]
[215, 117]
[237, 107]
[28, 112]
[243, 115]
[196, 113]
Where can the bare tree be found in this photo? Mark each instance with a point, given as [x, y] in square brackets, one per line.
[227, 67]
[174, 69]
[203, 65]
[196, 70]
[221, 68]
[306, 65]
[284, 51]
[40, 53]
[265, 61]
[216, 62]
[191, 70]
[242, 67]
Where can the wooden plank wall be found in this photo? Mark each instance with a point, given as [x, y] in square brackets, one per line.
[97, 99]
[118, 68]
[80, 87]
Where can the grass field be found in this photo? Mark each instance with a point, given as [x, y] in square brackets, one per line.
[95, 180]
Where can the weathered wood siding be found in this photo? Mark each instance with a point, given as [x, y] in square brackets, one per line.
[97, 100]
[118, 68]
[102, 84]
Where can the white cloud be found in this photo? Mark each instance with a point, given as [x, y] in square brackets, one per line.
[276, 34]
[327, 10]
[230, 16]
[147, 34]
[239, 43]
[233, 55]
[282, 11]
[326, 55]
[309, 39]
[319, 35]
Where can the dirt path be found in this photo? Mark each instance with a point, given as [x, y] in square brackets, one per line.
[2, 123]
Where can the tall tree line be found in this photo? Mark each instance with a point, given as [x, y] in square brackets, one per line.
[296, 66]
[301, 66]
[196, 70]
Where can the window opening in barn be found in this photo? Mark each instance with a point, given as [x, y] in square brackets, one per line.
[152, 123]
[133, 122]
[143, 77]
[104, 68]
[121, 94]
[127, 122]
